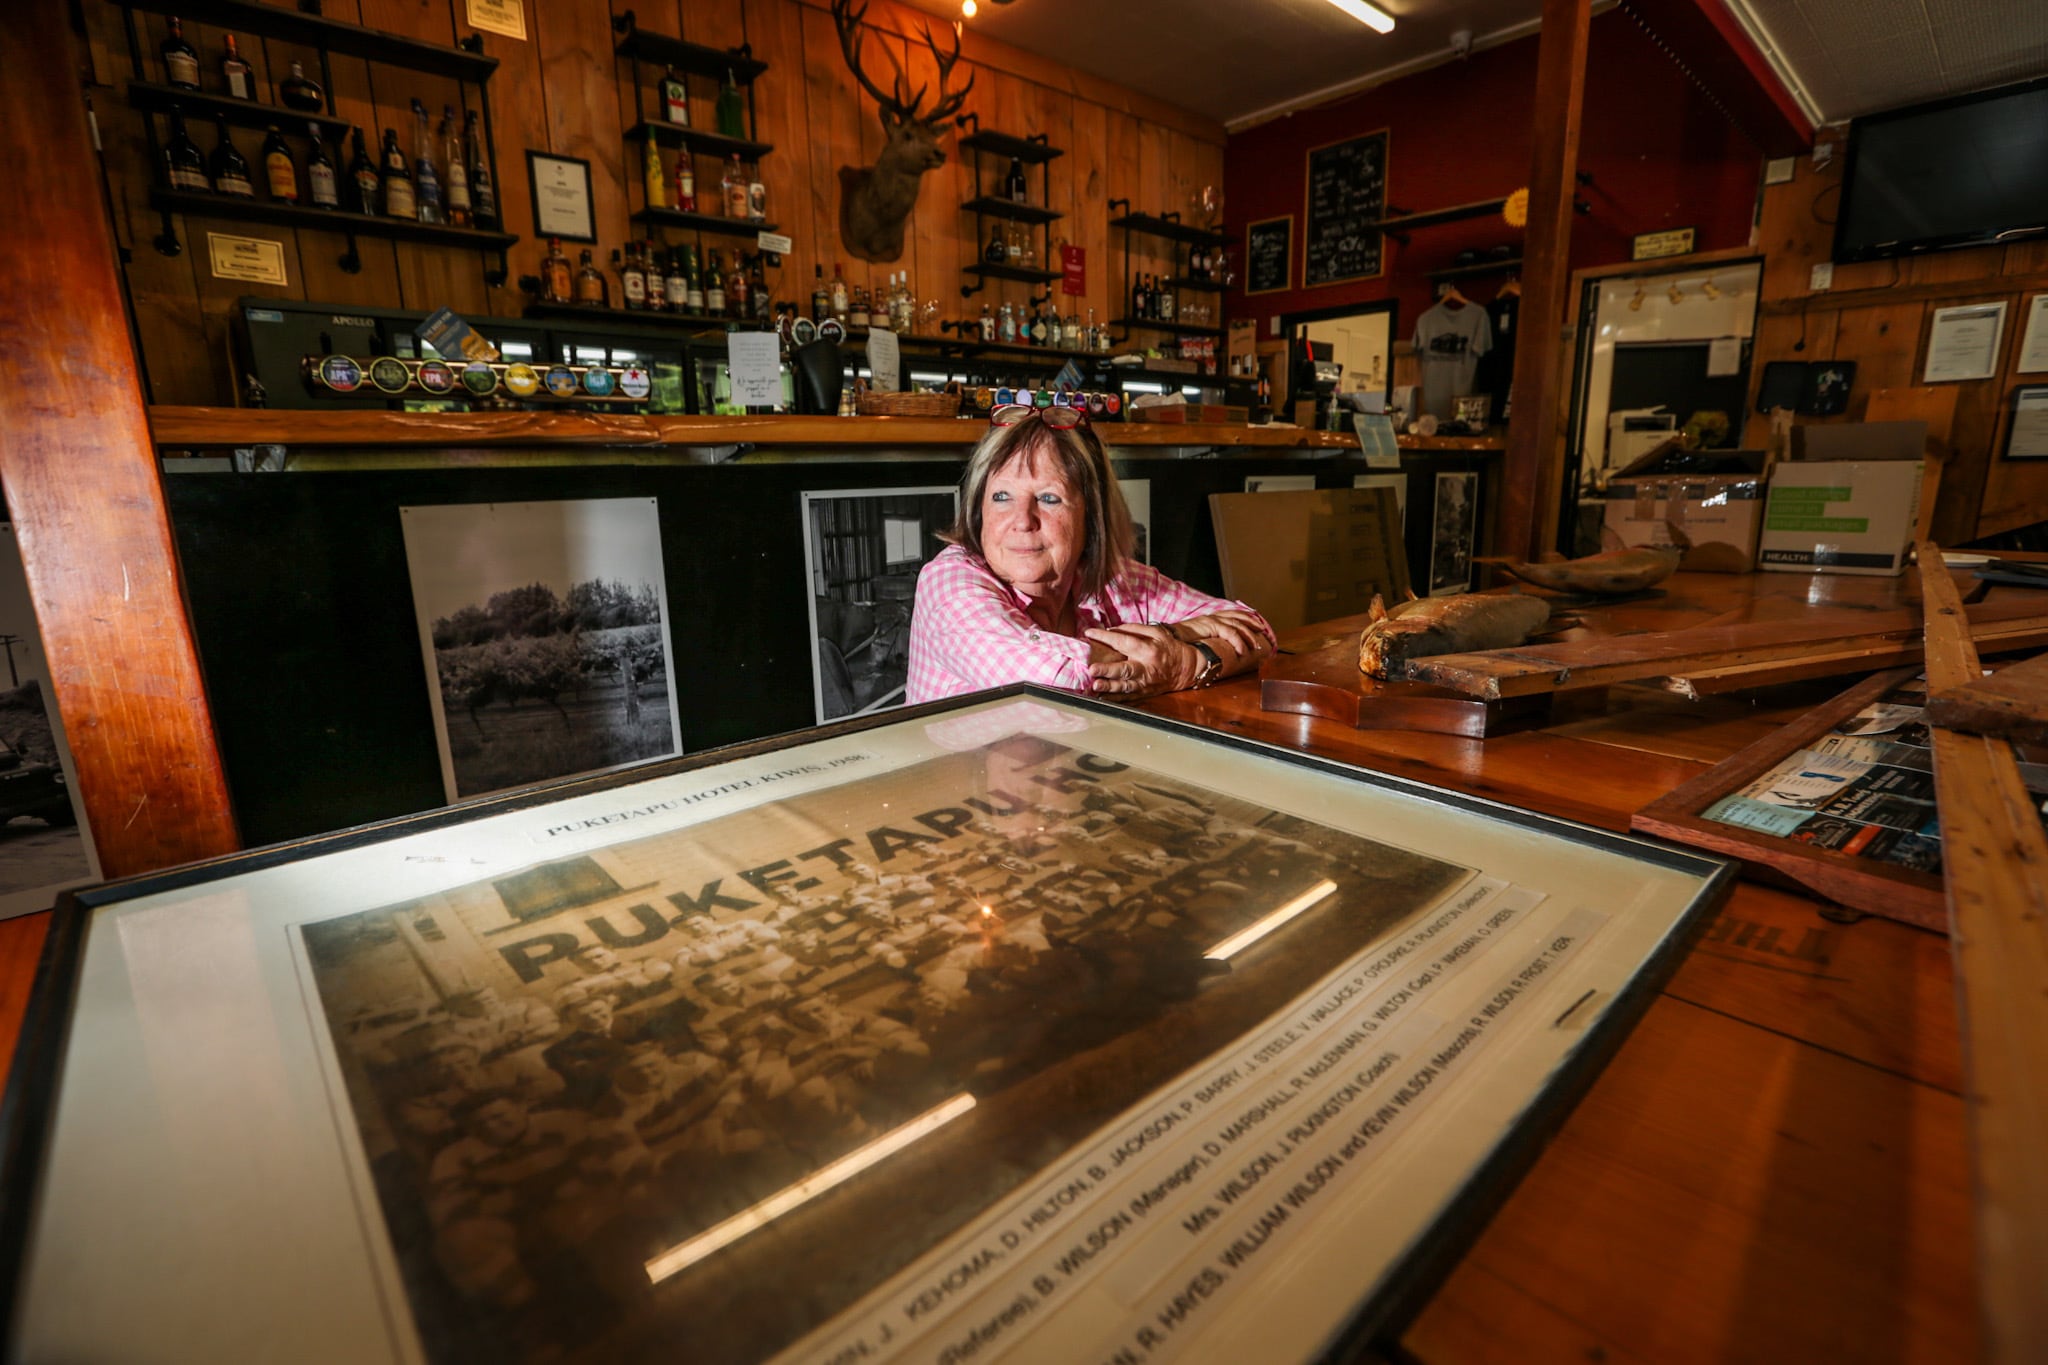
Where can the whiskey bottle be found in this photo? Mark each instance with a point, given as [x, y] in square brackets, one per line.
[556, 283]
[1166, 303]
[692, 280]
[184, 164]
[426, 180]
[362, 177]
[714, 285]
[297, 92]
[838, 291]
[181, 61]
[735, 187]
[632, 278]
[456, 189]
[228, 168]
[280, 172]
[235, 74]
[857, 312]
[483, 191]
[397, 195]
[1015, 186]
[323, 186]
[590, 285]
[736, 296]
[995, 252]
[675, 99]
[821, 299]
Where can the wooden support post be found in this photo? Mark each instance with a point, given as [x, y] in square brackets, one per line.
[80, 476]
[1541, 370]
[1995, 862]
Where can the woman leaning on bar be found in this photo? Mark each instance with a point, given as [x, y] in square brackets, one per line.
[1038, 584]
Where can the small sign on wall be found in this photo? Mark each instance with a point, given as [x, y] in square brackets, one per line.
[1651, 246]
[255, 259]
[499, 16]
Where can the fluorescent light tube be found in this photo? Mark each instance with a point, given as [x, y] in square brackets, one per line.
[1371, 16]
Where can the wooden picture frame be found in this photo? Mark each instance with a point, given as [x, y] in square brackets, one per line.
[2031, 444]
[567, 209]
[1376, 205]
[1388, 945]
[1862, 884]
[1258, 245]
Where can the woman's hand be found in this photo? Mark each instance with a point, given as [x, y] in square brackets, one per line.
[1238, 631]
[1151, 660]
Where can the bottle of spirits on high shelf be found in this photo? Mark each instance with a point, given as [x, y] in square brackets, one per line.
[483, 191]
[181, 61]
[686, 181]
[1055, 331]
[362, 177]
[736, 285]
[590, 285]
[821, 298]
[714, 284]
[757, 194]
[839, 300]
[235, 74]
[397, 190]
[297, 92]
[426, 179]
[1015, 186]
[280, 172]
[987, 325]
[735, 189]
[228, 168]
[1006, 326]
[1166, 303]
[732, 108]
[323, 186]
[184, 163]
[557, 284]
[632, 277]
[675, 98]
[456, 190]
[757, 287]
[653, 179]
[693, 284]
[995, 253]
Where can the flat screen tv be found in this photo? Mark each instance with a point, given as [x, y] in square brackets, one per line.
[1955, 173]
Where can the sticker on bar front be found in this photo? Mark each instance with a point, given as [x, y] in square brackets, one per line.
[479, 377]
[521, 380]
[597, 382]
[341, 374]
[634, 383]
[390, 375]
[436, 377]
[561, 381]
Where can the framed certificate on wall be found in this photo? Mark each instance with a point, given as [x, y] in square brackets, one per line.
[561, 196]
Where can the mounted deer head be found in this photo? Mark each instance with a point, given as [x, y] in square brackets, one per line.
[875, 201]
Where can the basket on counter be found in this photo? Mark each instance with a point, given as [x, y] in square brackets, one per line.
[945, 403]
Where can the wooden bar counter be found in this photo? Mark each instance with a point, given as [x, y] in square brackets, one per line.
[1774, 1167]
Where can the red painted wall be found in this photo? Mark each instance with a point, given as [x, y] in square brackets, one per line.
[1660, 154]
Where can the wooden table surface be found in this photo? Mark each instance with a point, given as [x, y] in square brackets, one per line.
[1775, 1165]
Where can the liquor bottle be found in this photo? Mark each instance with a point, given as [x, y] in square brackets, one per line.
[839, 291]
[988, 323]
[757, 287]
[1166, 303]
[184, 163]
[714, 285]
[735, 189]
[322, 184]
[736, 286]
[632, 277]
[457, 186]
[228, 168]
[686, 181]
[397, 190]
[732, 108]
[181, 62]
[1015, 186]
[675, 98]
[426, 180]
[280, 172]
[1093, 336]
[692, 282]
[1013, 243]
[483, 191]
[821, 299]
[1055, 334]
[1038, 330]
[1006, 326]
[556, 284]
[757, 194]
[362, 177]
[678, 283]
[235, 74]
[653, 178]
[297, 92]
[995, 252]
[1071, 329]
[590, 285]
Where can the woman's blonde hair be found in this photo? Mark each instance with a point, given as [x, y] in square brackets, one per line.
[1077, 453]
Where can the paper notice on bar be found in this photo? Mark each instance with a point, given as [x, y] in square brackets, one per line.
[1962, 343]
[885, 360]
[1724, 357]
[755, 359]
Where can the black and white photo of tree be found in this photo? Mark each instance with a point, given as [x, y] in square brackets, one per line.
[545, 637]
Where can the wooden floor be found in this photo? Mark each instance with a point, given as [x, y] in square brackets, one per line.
[1774, 1167]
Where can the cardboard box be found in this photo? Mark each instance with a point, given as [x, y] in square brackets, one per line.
[1720, 514]
[1840, 516]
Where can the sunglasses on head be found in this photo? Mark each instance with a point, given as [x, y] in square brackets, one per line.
[1061, 418]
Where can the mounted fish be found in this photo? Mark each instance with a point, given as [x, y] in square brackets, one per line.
[1446, 625]
[1611, 573]
[875, 201]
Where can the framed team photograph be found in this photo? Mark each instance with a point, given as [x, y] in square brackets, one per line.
[1016, 1021]
[863, 550]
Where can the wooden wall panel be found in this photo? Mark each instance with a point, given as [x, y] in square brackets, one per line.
[565, 92]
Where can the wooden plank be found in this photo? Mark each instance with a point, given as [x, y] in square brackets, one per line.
[1985, 283]
[1541, 366]
[1602, 662]
[2011, 704]
[79, 473]
[1996, 858]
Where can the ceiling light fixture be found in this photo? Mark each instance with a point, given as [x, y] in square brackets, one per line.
[1371, 16]
[967, 9]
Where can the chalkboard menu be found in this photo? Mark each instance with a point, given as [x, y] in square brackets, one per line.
[1347, 192]
[1268, 254]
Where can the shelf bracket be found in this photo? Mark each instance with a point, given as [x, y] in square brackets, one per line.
[351, 261]
[496, 278]
[1125, 202]
[166, 242]
[623, 23]
[968, 291]
[970, 117]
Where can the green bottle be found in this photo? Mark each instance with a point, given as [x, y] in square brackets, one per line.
[732, 108]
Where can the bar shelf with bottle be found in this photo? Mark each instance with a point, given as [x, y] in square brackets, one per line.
[645, 45]
[699, 140]
[152, 98]
[1167, 226]
[701, 222]
[992, 207]
[1022, 274]
[1002, 255]
[279, 213]
[682, 322]
[1179, 329]
[330, 36]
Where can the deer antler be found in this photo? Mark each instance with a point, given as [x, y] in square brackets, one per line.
[948, 105]
[904, 101]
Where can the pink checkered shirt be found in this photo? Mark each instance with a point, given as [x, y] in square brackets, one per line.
[969, 630]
